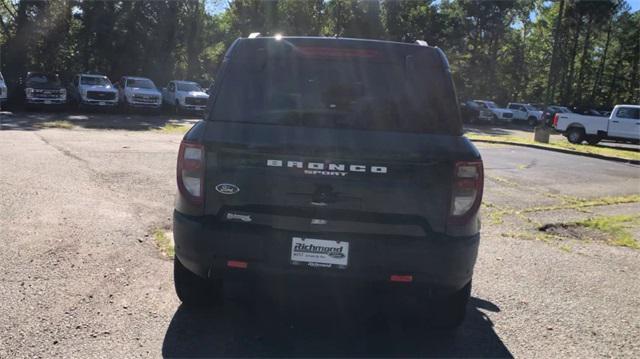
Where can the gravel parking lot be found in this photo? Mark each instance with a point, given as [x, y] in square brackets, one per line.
[82, 196]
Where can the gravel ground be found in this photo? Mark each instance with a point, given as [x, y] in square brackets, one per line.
[84, 279]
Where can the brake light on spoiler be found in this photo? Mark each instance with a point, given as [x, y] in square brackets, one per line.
[466, 194]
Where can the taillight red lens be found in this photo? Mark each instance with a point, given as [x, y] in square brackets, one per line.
[466, 194]
[555, 120]
[190, 171]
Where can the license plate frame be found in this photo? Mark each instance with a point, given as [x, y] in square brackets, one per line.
[321, 253]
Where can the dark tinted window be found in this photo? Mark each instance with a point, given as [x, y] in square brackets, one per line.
[322, 86]
[628, 112]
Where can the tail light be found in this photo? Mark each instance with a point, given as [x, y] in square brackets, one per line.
[555, 119]
[190, 172]
[466, 194]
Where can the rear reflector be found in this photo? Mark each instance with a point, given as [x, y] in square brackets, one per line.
[401, 278]
[555, 119]
[237, 264]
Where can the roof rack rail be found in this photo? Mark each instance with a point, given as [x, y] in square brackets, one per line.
[253, 35]
[422, 43]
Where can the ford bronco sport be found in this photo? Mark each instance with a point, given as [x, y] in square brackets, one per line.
[330, 158]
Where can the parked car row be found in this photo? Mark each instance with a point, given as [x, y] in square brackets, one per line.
[96, 90]
[516, 112]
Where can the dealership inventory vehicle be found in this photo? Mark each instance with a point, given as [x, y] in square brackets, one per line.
[471, 112]
[493, 113]
[138, 92]
[93, 90]
[184, 96]
[551, 111]
[44, 89]
[3, 91]
[623, 124]
[330, 160]
[524, 112]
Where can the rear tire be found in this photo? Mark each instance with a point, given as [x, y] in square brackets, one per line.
[532, 121]
[449, 312]
[194, 290]
[575, 135]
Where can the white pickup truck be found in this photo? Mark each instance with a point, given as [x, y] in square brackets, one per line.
[622, 125]
[184, 95]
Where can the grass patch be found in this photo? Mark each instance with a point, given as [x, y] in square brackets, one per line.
[616, 227]
[580, 203]
[55, 124]
[613, 230]
[173, 128]
[561, 144]
[164, 243]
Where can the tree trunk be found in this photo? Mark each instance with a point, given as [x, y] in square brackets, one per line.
[583, 60]
[603, 61]
[194, 37]
[572, 59]
[551, 79]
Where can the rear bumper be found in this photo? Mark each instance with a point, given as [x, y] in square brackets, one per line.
[440, 263]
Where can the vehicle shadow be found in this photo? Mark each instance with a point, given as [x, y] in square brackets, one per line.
[327, 329]
[92, 119]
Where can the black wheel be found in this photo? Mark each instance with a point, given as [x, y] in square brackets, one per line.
[449, 312]
[194, 290]
[593, 139]
[494, 119]
[575, 135]
[532, 121]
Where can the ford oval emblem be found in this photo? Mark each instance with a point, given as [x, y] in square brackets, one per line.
[227, 188]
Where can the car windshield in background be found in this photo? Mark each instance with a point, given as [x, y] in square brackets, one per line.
[41, 79]
[140, 83]
[341, 92]
[189, 86]
[96, 81]
[531, 108]
[491, 105]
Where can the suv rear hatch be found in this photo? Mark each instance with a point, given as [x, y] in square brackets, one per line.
[359, 136]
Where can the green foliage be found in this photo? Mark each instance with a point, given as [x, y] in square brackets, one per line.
[574, 52]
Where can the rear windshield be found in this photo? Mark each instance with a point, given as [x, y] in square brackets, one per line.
[338, 88]
[41, 79]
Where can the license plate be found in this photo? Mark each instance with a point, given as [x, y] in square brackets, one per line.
[319, 252]
[102, 103]
[47, 102]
